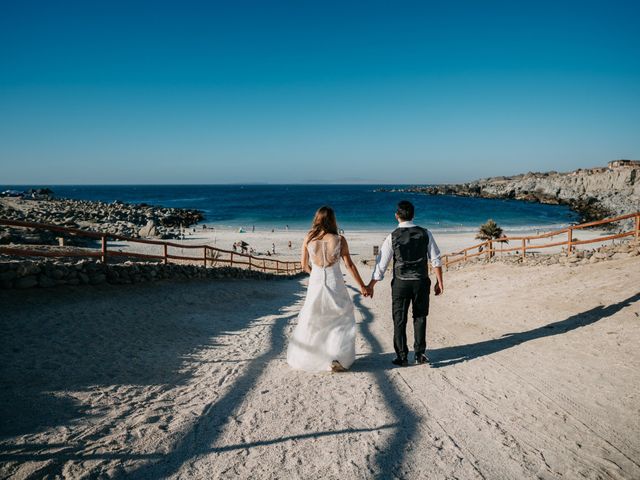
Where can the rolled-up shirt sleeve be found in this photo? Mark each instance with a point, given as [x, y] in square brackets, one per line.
[383, 259]
[433, 252]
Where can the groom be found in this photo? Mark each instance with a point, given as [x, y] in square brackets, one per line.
[411, 247]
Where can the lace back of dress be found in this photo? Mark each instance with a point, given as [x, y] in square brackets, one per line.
[325, 252]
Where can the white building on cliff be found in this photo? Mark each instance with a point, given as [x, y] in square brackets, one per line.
[623, 164]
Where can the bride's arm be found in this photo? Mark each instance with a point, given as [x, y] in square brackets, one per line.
[304, 257]
[346, 257]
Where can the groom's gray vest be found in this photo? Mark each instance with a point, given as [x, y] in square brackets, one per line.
[410, 245]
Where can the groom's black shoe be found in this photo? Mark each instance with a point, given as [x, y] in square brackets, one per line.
[421, 359]
[401, 362]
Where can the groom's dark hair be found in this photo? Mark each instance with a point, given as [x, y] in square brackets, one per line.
[405, 210]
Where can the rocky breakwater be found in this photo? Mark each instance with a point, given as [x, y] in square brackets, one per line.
[131, 220]
[594, 193]
[20, 274]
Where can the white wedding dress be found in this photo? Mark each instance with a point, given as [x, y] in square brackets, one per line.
[326, 324]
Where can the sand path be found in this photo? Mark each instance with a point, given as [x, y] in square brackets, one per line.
[535, 374]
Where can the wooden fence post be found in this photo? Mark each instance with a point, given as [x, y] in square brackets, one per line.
[231, 260]
[164, 254]
[490, 245]
[277, 266]
[638, 228]
[250, 257]
[103, 256]
[264, 265]
[204, 256]
[524, 248]
[569, 240]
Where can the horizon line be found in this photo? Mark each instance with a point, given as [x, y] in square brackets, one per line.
[206, 184]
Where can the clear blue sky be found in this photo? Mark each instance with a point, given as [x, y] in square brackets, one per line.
[347, 92]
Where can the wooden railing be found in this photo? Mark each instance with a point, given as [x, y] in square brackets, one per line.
[522, 244]
[207, 255]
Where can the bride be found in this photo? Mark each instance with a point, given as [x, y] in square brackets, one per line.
[324, 338]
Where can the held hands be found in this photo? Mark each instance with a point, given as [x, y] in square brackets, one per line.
[369, 289]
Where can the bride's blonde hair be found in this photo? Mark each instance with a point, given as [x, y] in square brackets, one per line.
[324, 222]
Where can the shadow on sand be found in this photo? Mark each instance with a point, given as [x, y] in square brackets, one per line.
[210, 424]
[443, 357]
[204, 433]
[66, 339]
[389, 459]
[80, 332]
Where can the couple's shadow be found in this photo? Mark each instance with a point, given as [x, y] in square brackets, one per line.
[446, 356]
[375, 362]
[442, 357]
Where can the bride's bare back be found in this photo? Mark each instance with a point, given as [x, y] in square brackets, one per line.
[325, 251]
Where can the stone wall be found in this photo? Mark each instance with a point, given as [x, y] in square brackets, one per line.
[51, 273]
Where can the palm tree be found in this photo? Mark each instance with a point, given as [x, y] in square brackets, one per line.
[490, 231]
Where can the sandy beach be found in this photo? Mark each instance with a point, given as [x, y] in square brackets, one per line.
[534, 374]
[361, 242]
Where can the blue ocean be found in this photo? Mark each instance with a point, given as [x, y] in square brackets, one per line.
[358, 207]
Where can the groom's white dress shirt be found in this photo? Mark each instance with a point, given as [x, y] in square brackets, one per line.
[386, 253]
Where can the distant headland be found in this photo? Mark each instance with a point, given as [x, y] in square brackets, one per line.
[594, 193]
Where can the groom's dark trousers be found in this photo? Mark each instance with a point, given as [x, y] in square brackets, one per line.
[416, 294]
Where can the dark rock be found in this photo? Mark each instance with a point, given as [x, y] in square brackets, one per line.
[29, 268]
[8, 275]
[58, 274]
[26, 282]
[97, 278]
[46, 282]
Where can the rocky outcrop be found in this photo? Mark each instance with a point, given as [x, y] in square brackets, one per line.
[20, 274]
[149, 230]
[117, 218]
[593, 193]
